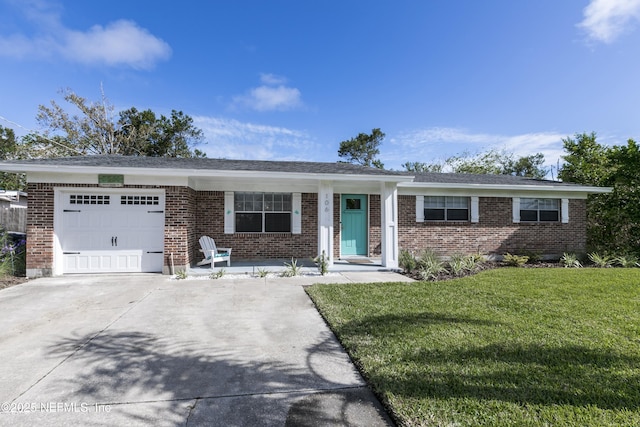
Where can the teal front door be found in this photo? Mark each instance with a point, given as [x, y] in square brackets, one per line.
[353, 234]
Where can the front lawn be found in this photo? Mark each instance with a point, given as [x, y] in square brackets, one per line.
[506, 347]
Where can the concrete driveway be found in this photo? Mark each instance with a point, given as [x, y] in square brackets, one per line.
[146, 350]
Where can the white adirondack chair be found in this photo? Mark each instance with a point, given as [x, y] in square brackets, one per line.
[212, 254]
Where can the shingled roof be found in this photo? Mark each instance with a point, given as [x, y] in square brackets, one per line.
[467, 178]
[116, 161]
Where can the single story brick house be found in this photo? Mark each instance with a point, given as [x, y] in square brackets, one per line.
[93, 214]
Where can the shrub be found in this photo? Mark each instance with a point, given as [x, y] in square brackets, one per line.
[600, 261]
[292, 269]
[263, 272]
[322, 262]
[217, 274]
[570, 260]
[459, 264]
[181, 274]
[626, 261]
[430, 266]
[515, 260]
[407, 261]
[12, 256]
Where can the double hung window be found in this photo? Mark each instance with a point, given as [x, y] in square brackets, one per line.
[539, 210]
[446, 208]
[262, 212]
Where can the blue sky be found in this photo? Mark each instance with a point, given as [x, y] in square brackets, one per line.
[289, 80]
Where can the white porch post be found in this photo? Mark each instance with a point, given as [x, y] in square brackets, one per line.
[389, 222]
[325, 220]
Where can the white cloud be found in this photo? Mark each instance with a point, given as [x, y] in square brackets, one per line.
[606, 20]
[436, 144]
[232, 139]
[272, 95]
[272, 79]
[120, 43]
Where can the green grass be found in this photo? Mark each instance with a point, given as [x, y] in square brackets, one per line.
[506, 347]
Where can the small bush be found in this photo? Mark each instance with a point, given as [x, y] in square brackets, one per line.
[292, 269]
[626, 261]
[322, 263]
[515, 260]
[600, 261]
[460, 264]
[217, 274]
[12, 256]
[407, 261]
[430, 266]
[181, 274]
[570, 260]
[263, 272]
[534, 256]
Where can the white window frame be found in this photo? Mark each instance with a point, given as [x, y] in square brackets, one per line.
[563, 210]
[230, 213]
[472, 207]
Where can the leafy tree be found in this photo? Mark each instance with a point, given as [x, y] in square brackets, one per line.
[422, 167]
[96, 131]
[586, 161]
[491, 162]
[159, 137]
[363, 149]
[613, 221]
[10, 150]
[529, 166]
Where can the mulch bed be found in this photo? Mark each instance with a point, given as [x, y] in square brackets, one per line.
[9, 281]
[484, 266]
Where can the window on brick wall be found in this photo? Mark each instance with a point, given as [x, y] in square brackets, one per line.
[446, 208]
[262, 212]
[539, 210]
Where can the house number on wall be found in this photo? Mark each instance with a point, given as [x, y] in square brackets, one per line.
[326, 203]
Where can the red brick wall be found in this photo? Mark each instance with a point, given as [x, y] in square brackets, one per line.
[40, 230]
[180, 226]
[375, 228]
[180, 233]
[495, 233]
[210, 222]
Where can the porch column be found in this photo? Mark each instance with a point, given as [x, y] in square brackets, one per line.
[325, 220]
[389, 224]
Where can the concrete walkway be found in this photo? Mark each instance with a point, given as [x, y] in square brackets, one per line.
[147, 350]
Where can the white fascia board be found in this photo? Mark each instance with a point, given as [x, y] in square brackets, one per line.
[85, 178]
[500, 190]
[57, 169]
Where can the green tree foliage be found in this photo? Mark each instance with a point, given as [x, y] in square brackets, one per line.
[420, 167]
[363, 149]
[95, 130]
[148, 135]
[10, 150]
[490, 162]
[613, 222]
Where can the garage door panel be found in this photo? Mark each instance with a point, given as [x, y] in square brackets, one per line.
[112, 232]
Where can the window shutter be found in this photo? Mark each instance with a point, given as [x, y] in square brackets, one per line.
[516, 209]
[564, 211]
[475, 209]
[419, 208]
[229, 217]
[296, 213]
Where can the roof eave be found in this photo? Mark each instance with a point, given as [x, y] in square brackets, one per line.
[205, 173]
[508, 187]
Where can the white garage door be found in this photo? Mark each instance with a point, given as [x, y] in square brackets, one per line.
[113, 232]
